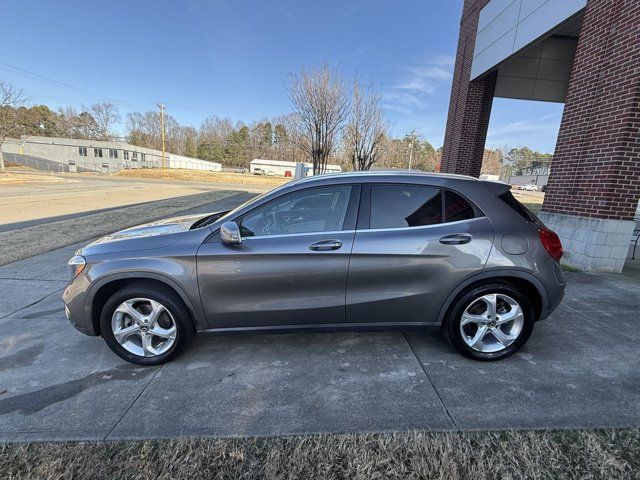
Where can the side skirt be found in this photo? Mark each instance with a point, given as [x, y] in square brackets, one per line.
[332, 327]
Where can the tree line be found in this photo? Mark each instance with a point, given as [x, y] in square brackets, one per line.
[509, 161]
[330, 122]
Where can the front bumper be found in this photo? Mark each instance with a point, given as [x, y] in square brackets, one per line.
[75, 306]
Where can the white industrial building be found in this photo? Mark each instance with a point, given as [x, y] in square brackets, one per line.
[79, 155]
[259, 166]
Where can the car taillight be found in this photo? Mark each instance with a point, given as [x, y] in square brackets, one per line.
[551, 243]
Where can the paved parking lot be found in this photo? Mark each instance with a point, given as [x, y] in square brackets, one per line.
[581, 368]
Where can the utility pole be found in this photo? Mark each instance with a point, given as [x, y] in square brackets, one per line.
[412, 133]
[161, 107]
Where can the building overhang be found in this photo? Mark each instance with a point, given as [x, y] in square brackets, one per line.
[531, 43]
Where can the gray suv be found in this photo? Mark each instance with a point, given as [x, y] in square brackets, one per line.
[331, 252]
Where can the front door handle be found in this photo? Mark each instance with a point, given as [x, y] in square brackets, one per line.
[325, 245]
[456, 239]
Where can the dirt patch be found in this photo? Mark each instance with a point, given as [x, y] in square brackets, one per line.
[201, 176]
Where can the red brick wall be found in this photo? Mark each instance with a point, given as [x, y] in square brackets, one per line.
[470, 105]
[596, 165]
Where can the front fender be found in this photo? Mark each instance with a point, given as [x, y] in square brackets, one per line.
[192, 302]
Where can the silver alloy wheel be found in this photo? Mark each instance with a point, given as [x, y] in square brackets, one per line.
[491, 323]
[143, 327]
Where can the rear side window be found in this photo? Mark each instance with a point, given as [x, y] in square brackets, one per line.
[457, 208]
[394, 206]
[524, 212]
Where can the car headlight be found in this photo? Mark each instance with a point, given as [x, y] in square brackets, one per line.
[76, 264]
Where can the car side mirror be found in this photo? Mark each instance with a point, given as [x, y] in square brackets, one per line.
[230, 233]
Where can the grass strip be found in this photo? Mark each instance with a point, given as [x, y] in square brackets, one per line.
[563, 454]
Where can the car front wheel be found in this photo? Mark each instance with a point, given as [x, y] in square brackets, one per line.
[490, 322]
[145, 324]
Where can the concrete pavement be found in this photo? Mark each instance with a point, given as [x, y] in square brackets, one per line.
[579, 369]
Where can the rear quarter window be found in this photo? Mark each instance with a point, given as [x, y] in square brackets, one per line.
[508, 198]
[457, 208]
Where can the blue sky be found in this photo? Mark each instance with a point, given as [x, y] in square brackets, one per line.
[232, 58]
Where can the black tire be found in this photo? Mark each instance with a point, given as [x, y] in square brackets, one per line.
[451, 325]
[169, 299]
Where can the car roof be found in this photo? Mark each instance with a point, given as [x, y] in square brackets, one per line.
[384, 175]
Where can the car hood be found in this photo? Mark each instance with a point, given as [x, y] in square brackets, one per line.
[156, 234]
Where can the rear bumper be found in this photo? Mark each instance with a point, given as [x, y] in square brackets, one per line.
[74, 298]
[554, 285]
[554, 301]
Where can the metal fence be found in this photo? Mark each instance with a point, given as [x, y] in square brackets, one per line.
[72, 166]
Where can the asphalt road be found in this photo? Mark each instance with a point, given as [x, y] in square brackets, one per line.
[579, 369]
[72, 195]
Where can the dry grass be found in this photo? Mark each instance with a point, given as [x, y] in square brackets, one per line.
[8, 178]
[26, 242]
[201, 176]
[601, 454]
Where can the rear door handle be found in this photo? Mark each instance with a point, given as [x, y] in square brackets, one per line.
[456, 239]
[325, 245]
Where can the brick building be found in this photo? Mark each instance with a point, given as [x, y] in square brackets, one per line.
[586, 54]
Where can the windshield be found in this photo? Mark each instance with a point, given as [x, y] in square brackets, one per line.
[230, 214]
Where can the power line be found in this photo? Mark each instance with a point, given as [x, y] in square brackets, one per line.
[38, 76]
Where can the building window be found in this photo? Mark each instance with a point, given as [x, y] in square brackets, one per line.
[142, 157]
[134, 155]
[97, 152]
[113, 153]
[125, 153]
[82, 151]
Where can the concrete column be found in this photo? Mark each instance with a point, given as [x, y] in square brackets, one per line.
[594, 186]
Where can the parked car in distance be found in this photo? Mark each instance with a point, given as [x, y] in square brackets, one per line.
[530, 187]
[262, 171]
[341, 252]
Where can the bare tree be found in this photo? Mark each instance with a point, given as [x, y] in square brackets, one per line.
[10, 99]
[106, 115]
[366, 131]
[320, 108]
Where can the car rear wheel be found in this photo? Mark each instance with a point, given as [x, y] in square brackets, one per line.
[145, 324]
[490, 322]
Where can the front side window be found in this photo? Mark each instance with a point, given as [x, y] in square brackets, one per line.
[113, 153]
[82, 151]
[125, 154]
[97, 152]
[322, 209]
[397, 206]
